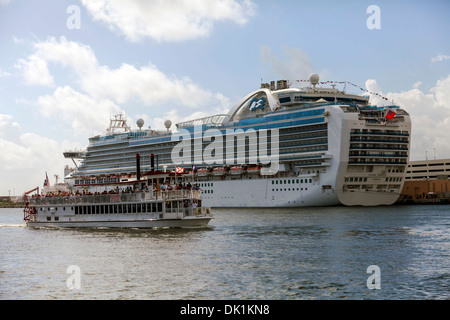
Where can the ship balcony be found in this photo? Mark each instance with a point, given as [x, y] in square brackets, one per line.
[370, 140]
[385, 161]
[404, 134]
[362, 155]
[387, 148]
[383, 121]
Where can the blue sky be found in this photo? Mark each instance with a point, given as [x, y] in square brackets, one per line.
[180, 60]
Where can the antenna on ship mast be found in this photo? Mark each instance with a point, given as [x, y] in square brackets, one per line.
[118, 121]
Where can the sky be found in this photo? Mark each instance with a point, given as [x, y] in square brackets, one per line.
[67, 66]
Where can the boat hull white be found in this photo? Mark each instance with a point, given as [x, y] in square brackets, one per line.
[188, 222]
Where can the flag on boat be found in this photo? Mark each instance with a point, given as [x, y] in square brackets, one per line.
[179, 170]
[390, 115]
[46, 182]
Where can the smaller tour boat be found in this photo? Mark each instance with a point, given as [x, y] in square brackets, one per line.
[143, 209]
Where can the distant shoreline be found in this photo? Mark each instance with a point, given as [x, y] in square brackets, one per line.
[12, 205]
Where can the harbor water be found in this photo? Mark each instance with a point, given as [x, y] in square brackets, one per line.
[389, 253]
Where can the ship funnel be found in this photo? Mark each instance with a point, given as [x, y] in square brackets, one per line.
[152, 162]
[138, 166]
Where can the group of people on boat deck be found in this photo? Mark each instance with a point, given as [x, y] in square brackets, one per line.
[156, 188]
[181, 186]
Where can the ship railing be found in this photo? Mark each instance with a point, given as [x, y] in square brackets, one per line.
[190, 211]
[117, 197]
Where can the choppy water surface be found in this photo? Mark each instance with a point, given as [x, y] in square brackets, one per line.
[308, 253]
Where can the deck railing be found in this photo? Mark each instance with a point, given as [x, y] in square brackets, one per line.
[117, 197]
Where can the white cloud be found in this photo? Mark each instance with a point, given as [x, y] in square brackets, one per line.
[121, 85]
[35, 67]
[430, 116]
[4, 74]
[35, 71]
[26, 156]
[417, 84]
[175, 20]
[149, 85]
[293, 65]
[83, 113]
[440, 57]
[9, 129]
[103, 88]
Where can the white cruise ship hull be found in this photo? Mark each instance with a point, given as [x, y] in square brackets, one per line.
[264, 193]
[332, 148]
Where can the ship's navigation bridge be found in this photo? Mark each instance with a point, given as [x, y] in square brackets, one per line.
[74, 154]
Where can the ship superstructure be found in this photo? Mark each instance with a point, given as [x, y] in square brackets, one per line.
[279, 146]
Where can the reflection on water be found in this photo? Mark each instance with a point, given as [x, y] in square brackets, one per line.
[307, 253]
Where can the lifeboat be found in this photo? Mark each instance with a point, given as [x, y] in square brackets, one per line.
[202, 172]
[256, 169]
[218, 171]
[235, 170]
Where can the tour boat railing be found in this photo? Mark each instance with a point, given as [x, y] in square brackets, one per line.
[117, 197]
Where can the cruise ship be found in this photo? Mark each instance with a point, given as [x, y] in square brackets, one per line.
[280, 146]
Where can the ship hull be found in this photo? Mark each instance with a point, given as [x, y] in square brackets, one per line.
[266, 193]
[141, 224]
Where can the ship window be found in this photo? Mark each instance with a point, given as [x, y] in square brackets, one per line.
[285, 99]
[49, 219]
[301, 181]
[310, 180]
[56, 218]
[297, 180]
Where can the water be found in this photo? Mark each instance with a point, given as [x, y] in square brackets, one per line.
[276, 254]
